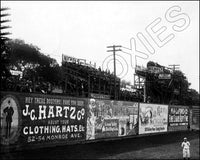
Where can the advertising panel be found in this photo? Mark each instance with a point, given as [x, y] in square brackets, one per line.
[155, 69]
[36, 119]
[164, 76]
[70, 59]
[153, 118]
[194, 117]
[99, 96]
[108, 118]
[178, 118]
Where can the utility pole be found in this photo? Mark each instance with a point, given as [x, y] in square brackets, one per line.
[114, 49]
[174, 68]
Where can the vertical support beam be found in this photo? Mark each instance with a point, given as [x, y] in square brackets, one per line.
[114, 72]
[99, 85]
[88, 85]
[145, 94]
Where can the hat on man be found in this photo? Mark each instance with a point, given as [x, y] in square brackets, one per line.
[185, 138]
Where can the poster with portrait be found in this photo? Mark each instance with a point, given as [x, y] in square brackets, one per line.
[107, 118]
[30, 120]
[153, 118]
[10, 120]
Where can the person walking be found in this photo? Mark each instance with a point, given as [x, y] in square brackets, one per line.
[186, 149]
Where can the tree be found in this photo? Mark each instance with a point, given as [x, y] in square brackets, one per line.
[192, 97]
[174, 91]
[4, 48]
[34, 65]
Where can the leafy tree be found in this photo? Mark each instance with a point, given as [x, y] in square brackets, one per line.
[35, 65]
[4, 60]
[192, 97]
[175, 90]
[4, 48]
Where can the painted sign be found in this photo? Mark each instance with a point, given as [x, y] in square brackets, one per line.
[155, 69]
[70, 59]
[66, 58]
[99, 96]
[16, 73]
[108, 118]
[40, 119]
[178, 118]
[152, 118]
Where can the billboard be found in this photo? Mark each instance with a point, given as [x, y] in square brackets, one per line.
[178, 118]
[153, 118]
[66, 58]
[106, 118]
[36, 119]
[164, 76]
[83, 62]
[194, 117]
[155, 69]
[99, 96]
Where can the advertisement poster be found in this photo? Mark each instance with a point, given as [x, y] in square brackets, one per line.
[108, 118]
[41, 119]
[178, 118]
[153, 118]
[194, 117]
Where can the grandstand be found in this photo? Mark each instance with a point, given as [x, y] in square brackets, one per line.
[82, 78]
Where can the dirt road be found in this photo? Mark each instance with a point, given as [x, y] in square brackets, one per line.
[165, 146]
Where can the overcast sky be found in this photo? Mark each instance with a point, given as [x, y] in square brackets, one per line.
[85, 29]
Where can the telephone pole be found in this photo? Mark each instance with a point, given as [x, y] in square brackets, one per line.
[114, 49]
[174, 68]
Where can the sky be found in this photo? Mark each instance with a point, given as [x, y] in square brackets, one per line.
[85, 29]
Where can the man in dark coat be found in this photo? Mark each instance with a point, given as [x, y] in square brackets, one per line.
[9, 113]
